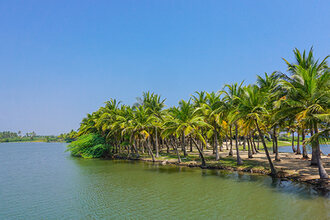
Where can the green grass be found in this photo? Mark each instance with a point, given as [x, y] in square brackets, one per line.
[231, 162]
[270, 145]
[210, 160]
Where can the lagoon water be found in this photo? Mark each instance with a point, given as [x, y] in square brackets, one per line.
[325, 148]
[41, 181]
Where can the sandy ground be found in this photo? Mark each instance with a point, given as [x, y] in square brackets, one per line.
[290, 163]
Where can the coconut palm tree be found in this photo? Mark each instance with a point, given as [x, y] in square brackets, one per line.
[140, 127]
[308, 97]
[211, 112]
[270, 86]
[252, 107]
[154, 105]
[231, 93]
[305, 72]
[185, 122]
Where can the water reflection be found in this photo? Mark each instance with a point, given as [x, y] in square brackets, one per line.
[39, 181]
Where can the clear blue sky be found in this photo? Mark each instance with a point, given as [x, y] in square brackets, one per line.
[62, 59]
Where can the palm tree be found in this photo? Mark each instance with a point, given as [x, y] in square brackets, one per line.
[306, 73]
[252, 107]
[186, 122]
[139, 127]
[233, 91]
[154, 105]
[308, 97]
[211, 111]
[270, 86]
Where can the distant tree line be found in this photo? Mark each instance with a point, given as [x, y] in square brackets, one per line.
[9, 136]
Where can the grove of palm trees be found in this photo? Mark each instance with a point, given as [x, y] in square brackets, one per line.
[230, 126]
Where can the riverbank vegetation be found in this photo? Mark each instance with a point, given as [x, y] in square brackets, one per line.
[8, 136]
[237, 118]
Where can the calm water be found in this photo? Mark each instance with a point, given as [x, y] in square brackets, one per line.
[40, 181]
[325, 148]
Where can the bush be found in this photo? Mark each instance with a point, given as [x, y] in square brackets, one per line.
[88, 146]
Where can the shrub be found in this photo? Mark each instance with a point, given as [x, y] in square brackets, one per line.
[88, 146]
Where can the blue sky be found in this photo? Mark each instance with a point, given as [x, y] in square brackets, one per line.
[62, 59]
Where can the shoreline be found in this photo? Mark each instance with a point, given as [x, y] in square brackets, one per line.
[37, 141]
[321, 186]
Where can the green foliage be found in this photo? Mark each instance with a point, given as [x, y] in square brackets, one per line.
[8, 136]
[68, 137]
[88, 146]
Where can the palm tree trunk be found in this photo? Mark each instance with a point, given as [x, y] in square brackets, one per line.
[217, 157]
[298, 143]
[200, 154]
[272, 168]
[231, 143]
[314, 153]
[221, 144]
[292, 142]
[150, 151]
[156, 143]
[273, 141]
[305, 155]
[177, 151]
[258, 142]
[239, 159]
[136, 148]
[254, 144]
[277, 157]
[167, 147]
[183, 145]
[190, 142]
[322, 172]
[244, 143]
[253, 150]
[249, 148]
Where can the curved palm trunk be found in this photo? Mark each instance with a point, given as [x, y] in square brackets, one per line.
[292, 142]
[258, 147]
[150, 151]
[322, 172]
[200, 154]
[250, 140]
[217, 156]
[239, 159]
[298, 143]
[305, 155]
[272, 168]
[177, 151]
[254, 144]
